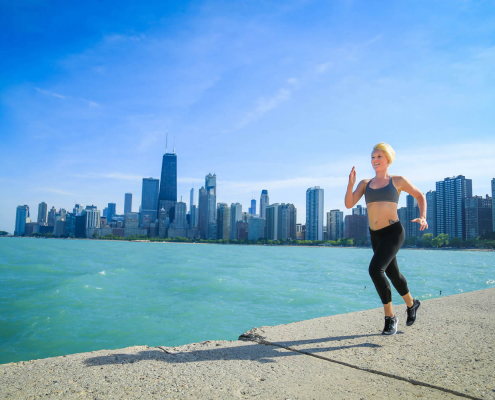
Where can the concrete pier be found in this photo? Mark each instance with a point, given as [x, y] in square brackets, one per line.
[448, 353]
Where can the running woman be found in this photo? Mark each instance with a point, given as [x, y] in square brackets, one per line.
[387, 234]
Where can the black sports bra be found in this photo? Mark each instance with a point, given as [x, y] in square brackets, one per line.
[387, 193]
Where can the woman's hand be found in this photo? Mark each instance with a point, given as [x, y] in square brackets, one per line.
[352, 177]
[422, 222]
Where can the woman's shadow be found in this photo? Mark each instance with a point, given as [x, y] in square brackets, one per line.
[253, 349]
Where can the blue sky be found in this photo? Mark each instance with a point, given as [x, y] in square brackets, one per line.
[266, 94]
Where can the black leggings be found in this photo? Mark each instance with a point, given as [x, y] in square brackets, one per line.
[386, 242]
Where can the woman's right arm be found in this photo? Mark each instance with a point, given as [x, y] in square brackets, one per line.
[351, 198]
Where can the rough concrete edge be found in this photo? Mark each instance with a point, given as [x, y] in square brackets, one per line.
[253, 333]
[253, 336]
[259, 340]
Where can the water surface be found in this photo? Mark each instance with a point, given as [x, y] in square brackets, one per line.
[66, 296]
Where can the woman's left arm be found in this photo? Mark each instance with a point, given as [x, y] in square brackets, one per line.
[405, 185]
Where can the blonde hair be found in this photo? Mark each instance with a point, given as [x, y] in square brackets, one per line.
[387, 149]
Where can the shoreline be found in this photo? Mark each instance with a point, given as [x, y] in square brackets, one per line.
[243, 244]
[334, 357]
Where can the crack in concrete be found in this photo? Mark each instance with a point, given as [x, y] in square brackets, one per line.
[373, 371]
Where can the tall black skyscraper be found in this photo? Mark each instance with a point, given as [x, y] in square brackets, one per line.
[168, 185]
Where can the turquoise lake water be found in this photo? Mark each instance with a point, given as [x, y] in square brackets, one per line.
[67, 296]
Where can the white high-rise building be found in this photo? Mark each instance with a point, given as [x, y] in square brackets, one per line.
[264, 201]
[314, 213]
[92, 217]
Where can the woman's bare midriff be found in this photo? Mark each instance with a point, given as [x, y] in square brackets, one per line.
[382, 214]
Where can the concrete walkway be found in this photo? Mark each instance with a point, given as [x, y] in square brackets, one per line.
[447, 354]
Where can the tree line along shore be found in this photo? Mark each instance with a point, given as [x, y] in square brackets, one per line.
[426, 241]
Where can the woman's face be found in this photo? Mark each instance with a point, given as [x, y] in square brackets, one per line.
[379, 160]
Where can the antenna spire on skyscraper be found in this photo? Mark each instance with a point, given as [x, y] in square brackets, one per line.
[166, 142]
[174, 147]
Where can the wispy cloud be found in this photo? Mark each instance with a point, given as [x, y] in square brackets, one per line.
[321, 68]
[48, 93]
[90, 103]
[265, 104]
[115, 38]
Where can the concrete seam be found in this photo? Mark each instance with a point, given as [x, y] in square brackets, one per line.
[373, 371]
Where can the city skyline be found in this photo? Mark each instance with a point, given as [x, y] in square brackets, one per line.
[212, 178]
[83, 113]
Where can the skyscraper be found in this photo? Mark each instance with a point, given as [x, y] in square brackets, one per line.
[314, 213]
[193, 217]
[149, 199]
[272, 221]
[356, 227]
[264, 201]
[287, 218]
[335, 224]
[80, 228]
[131, 224]
[162, 223]
[78, 208]
[111, 212]
[235, 216]
[203, 213]
[70, 225]
[451, 204]
[252, 209]
[223, 221]
[402, 214]
[21, 216]
[59, 228]
[193, 210]
[42, 213]
[127, 203]
[359, 210]
[412, 228]
[256, 228]
[211, 203]
[92, 217]
[478, 216]
[493, 205]
[431, 212]
[180, 215]
[51, 216]
[168, 185]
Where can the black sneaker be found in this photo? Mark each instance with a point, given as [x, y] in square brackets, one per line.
[411, 312]
[391, 324]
